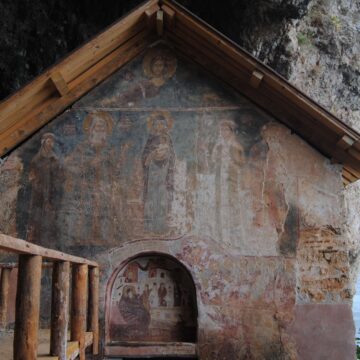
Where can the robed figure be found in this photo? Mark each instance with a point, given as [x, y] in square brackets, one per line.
[46, 177]
[158, 161]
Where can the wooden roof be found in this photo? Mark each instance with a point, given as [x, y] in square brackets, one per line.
[59, 87]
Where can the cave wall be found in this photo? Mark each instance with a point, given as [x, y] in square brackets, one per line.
[162, 158]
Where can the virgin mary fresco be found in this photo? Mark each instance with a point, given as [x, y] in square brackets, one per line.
[158, 159]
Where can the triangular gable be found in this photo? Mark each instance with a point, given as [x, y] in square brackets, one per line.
[51, 93]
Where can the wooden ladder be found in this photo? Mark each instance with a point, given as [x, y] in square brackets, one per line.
[79, 273]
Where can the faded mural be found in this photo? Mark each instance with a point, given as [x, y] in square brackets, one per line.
[152, 299]
[161, 153]
[143, 156]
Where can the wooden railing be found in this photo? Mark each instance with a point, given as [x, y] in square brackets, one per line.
[83, 317]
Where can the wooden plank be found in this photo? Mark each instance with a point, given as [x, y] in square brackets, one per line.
[160, 23]
[11, 244]
[150, 350]
[345, 142]
[59, 309]
[94, 307]
[79, 87]
[4, 296]
[151, 15]
[79, 306]
[33, 95]
[27, 307]
[169, 17]
[87, 55]
[256, 78]
[59, 83]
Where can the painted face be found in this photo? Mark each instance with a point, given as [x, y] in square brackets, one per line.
[98, 131]
[158, 67]
[226, 131]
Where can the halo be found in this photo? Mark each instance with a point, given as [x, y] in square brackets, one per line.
[48, 135]
[170, 62]
[103, 115]
[155, 115]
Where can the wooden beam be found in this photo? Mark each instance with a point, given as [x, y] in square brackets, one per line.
[94, 307]
[9, 243]
[27, 307]
[78, 306]
[345, 142]
[256, 78]
[59, 83]
[160, 23]
[169, 17]
[80, 86]
[59, 309]
[4, 296]
[31, 98]
[150, 14]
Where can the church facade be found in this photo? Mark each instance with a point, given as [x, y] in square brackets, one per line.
[218, 229]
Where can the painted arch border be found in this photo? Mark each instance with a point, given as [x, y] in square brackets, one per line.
[124, 254]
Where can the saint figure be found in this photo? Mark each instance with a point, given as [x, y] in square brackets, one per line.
[158, 161]
[46, 179]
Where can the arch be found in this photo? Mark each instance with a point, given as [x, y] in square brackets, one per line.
[150, 299]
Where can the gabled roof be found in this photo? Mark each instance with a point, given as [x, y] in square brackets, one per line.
[59, 87]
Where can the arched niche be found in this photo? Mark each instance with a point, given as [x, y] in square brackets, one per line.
[151, 304]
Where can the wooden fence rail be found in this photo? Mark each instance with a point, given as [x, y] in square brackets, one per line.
[83, 319]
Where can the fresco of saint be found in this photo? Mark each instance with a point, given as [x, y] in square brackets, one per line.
[158, 159]
[228, 157]
[46, 177]
[89, 181]
[159, 65]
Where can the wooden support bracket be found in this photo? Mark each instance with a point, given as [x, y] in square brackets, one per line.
[160, 23]
[59, 83]
[345, 142]
[150, 14]
[169, 17]
[256, 78]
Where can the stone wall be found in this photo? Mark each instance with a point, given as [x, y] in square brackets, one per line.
[161, 158]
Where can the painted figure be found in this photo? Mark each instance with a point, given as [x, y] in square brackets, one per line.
[89, 182]
[162, 292]
[159, 65]
[158, 161]
[133, 310]
[228, 157]
[46, 178]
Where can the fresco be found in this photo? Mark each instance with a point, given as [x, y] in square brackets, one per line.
[152, 299]
[157, 151]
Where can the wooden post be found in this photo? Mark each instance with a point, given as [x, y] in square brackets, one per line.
[4, 296]
[27, 307]
[94, 307]
[59, 309]
[78, 306]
